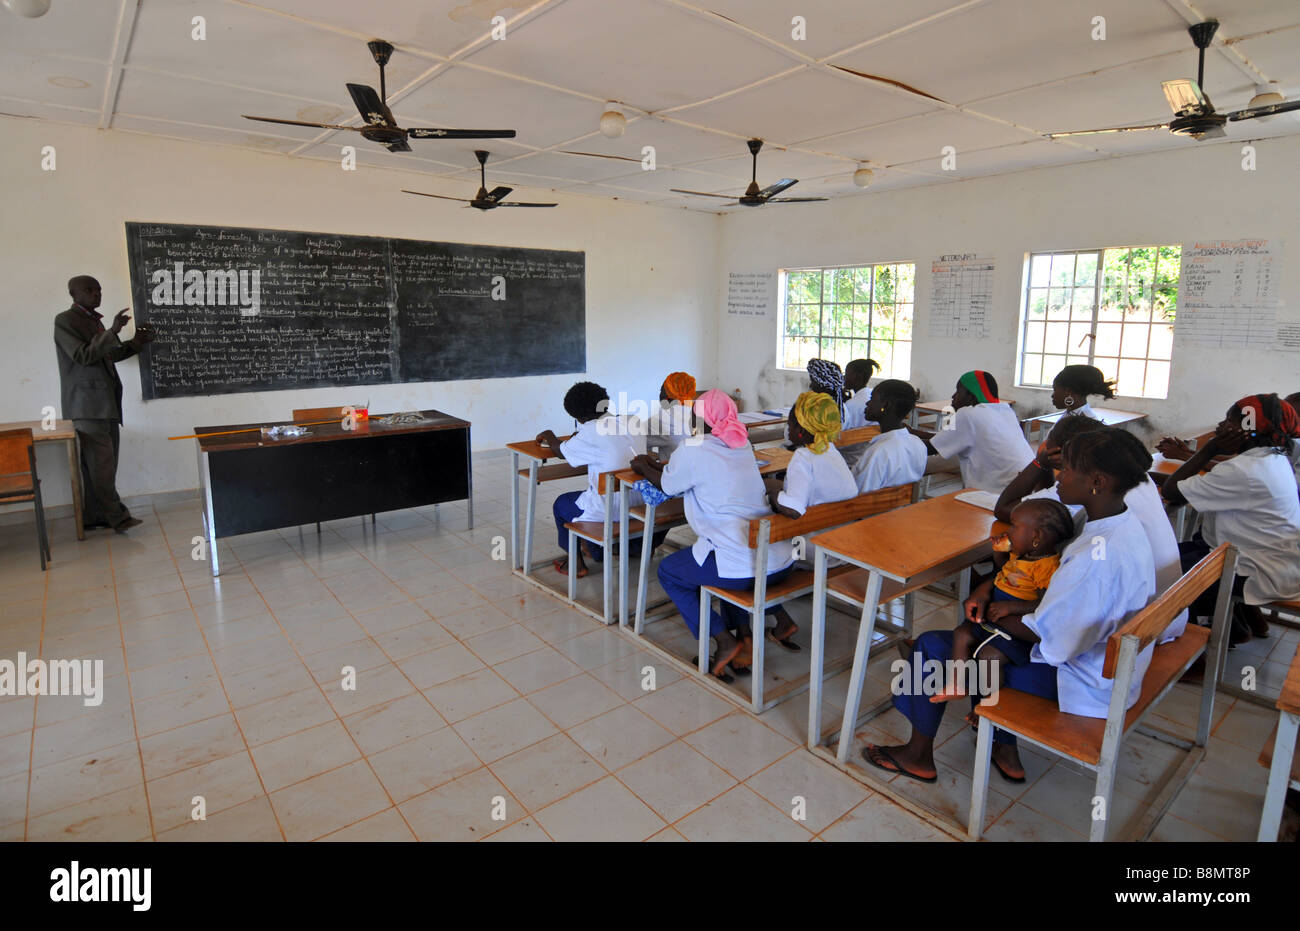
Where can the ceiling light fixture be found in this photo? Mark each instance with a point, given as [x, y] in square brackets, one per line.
[612, 121]
[862, 177]
[28, 8]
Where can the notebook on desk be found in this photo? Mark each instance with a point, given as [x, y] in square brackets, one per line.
[981, 499]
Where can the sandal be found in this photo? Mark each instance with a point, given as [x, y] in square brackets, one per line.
[562, 567]
[894, 766]
[724, 676]
[788, 642]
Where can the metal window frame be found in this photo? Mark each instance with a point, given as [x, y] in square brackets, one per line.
[783, 289]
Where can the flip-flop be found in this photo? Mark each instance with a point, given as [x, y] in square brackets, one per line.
[1003, 773]
[724, 677]
[561, 566]
[788, 643]
[897, 768]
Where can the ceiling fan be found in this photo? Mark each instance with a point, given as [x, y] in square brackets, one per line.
[380, 126]
[1194, 114]
[753, 197]
[484, 199]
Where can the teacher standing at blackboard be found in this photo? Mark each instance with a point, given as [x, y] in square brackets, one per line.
[91, 395]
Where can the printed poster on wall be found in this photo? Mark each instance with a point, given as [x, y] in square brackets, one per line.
[751, 294]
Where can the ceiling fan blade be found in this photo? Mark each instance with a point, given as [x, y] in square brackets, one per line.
[498, 193]
[369, 105]
[621, 158]
[518, 204]
[677, 190]
[777, 188]
[1111, 129]
[426, 132]
[270, 119]
[400, 145]
[794, 200]
[1253, 113]
[463, 200]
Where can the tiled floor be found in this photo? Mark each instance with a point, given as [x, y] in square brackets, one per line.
[482, 708]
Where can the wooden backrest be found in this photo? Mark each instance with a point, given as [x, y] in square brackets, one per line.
[1149, 623]
[14, 456]
[857, 435]
[825, 516]
[306, 414]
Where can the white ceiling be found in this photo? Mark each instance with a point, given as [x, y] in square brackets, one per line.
[695, 78]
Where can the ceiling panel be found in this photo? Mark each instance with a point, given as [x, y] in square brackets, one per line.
[1006, 44]
[674, 144]
[1278, 56]
[920, 137]
[570, 167]
[44, 111]
[646, 54]
[804, 105]
[206, 134]
[81, 30]
[1245, 17]
[661, 182]
[829, 25]
[377, 156]
[438, 26]
[1018, 157]
[69, 82]
[252, 49]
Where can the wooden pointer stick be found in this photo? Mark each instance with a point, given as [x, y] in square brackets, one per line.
[204, 436]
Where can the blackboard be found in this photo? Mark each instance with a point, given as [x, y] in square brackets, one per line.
[269, 310]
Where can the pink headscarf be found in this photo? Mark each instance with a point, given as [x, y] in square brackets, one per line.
[719, 412]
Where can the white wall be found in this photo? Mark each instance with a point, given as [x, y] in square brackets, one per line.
[650, 280]
[1199, 192]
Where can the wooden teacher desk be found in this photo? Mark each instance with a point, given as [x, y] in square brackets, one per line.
[249, 482]
[63, 432]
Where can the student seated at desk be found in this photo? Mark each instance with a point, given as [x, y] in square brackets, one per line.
[1074, 384]
[1038, 480]
[671, 424]
[719, 480]
[895, 457]
[857, 375]
[817, 474]
[1294, 401]
[603, 442]
[1249, 501]
[1086, 601]
[982, 433]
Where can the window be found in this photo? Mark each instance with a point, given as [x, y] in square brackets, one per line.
[862, 311]
[1112, 308]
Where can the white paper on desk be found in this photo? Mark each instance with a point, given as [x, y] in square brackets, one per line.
[753, 416]
[981, 499]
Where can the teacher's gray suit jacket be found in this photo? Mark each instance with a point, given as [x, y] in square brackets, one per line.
[89, 386]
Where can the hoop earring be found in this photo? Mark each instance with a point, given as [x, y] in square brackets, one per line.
[1069, 401]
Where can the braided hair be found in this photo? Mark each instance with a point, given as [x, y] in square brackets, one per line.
[585, 401]
[1112, 451]
[1086, 380]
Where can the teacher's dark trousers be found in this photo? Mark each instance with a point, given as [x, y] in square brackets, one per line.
[99, 440]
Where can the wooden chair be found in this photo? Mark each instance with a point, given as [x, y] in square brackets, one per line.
[1096, 742]
[764, 531]
[19, 482]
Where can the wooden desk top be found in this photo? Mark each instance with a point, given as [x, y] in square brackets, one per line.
[320, 433]
[780, 457]
[761, 419]
[531, 449]
[63, 429]
[1289, 699]
[1107, 415]
[911, 540]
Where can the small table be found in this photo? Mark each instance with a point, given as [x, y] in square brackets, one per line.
[63, 432]
[1109, 416]
[902, 551]
[939, 410]
[756, 419]
[1282, 771]
[536, 454]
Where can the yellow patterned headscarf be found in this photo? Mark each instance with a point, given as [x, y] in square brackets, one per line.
[819, 415]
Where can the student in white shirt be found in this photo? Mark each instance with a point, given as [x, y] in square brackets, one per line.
[671, 424]
[895, 457]
[603, 442]
[1249, 501]
[717, 476]
[816, 475]
[1143, 500]
[857, 375]
[1074, 384]
[1086, 601]
[1294, 401]
[982, 433]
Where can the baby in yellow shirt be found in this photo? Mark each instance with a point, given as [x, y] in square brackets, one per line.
[1040, 528]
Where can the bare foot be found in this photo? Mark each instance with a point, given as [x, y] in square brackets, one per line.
[950, 693]
[562, 567]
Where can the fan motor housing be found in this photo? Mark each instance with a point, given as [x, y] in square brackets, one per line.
[1197, 125]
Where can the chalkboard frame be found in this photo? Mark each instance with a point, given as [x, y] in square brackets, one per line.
[555, 310]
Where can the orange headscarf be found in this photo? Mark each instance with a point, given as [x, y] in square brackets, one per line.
[680, 386]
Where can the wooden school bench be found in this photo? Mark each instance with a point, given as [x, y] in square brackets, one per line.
[1096, 742]
[763, 531]
[64, 433]
[1279, 754]
[896, 554]
[537, 472]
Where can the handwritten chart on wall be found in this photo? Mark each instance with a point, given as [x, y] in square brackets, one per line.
[961, 295]
[1228, 295]
[266, 310]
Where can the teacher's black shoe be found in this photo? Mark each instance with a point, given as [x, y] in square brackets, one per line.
[128, 524]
